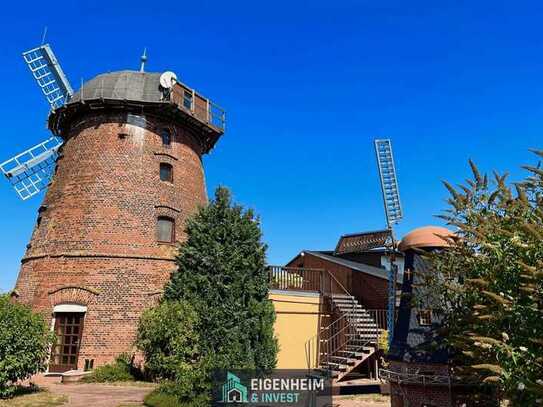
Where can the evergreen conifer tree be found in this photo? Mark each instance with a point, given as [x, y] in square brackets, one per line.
[222, 274]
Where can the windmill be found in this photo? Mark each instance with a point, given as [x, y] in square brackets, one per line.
[393, 212]
[30, 171]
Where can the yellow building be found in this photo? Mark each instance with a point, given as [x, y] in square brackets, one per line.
[298, 316]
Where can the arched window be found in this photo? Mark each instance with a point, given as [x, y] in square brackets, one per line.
[166, 136]
[165, 229]
[166, 172]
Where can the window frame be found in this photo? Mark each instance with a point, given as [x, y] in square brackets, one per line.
[167, 131]
[172, 237]
[170, 167]
[425, 317]
[188, 97]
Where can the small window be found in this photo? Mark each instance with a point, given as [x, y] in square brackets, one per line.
[166, 172]
[166, 136]
[166, 230]
[425, 317]
[187, 99]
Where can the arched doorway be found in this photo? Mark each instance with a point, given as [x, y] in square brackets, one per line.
[68, 322]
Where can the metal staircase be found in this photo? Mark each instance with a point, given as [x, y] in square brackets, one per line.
[349, 340]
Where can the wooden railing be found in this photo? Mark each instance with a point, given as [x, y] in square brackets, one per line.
[199, 106]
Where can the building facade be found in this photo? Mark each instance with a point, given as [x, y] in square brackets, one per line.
[128, 175]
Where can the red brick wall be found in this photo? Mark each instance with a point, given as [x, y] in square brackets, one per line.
[95, 241]
[370, 291]
[414, 395]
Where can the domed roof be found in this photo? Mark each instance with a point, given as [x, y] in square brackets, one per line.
[121, 85]
[427, 236]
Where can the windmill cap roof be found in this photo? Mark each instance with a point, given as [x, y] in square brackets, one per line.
[426, 236]
[121, 85]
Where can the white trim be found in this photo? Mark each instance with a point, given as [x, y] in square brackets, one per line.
[296, 293]
[69, 308]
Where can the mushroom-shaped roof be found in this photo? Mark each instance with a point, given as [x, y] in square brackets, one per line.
[121, 85]
[427, 236]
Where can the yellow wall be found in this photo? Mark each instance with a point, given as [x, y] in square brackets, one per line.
[297, 321]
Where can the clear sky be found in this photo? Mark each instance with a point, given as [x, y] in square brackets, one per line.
[307, 87]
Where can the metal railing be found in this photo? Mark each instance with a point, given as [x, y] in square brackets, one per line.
[379, 316]
[294, 278]
[413, 378]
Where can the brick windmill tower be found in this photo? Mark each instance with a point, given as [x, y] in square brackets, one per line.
[125, 171]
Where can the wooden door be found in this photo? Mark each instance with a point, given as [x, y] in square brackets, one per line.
[68, 329]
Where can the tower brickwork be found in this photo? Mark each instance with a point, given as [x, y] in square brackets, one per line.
[98, 257]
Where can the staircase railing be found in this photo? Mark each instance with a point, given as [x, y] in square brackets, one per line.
[337, 335]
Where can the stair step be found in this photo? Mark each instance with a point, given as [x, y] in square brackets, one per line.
[328, 372]
[335, 366]
[342, 360]
[360, 348]
[353, 353]
[345, 300]
[334, 296]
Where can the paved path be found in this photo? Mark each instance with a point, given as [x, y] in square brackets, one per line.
[95, 394]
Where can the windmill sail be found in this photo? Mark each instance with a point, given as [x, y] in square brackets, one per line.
[30, 172]
[393, 211]
[49, 75]
[389, 183]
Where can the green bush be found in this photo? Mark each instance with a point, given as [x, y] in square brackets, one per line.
[122, 370]
[169, 342]
[159, 399]
[24, 344]
[167, 338]
[174, 394]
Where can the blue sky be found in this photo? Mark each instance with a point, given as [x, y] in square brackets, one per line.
[307, 87]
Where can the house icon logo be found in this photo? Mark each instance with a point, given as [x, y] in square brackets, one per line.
[233, 391]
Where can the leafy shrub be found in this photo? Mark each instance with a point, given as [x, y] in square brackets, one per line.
[383, 341]
[169, 342]
[122, 370]
[170, 394]
[160, 399]
[24, 344]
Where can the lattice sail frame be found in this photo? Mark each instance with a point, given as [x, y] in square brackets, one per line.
[30, 172]
[393, 211]
[389, 182]
[49, 75]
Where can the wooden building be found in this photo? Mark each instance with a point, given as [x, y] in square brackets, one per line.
[331, 306]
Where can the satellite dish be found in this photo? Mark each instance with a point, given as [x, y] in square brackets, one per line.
[168, 79]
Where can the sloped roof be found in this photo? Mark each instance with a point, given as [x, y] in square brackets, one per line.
[364, 268]
[363, 241]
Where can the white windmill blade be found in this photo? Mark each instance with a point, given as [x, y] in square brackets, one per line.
[30, 172]
[389, 182]
[49, 75]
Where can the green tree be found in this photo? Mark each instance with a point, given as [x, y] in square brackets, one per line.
[24, 344]
[489, 283]
[222, 274]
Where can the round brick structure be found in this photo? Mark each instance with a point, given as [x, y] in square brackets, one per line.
[95, 260]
